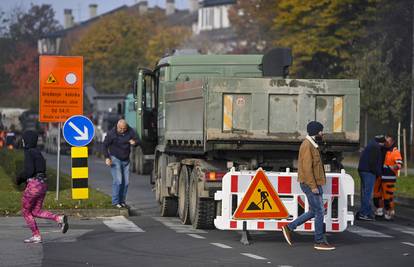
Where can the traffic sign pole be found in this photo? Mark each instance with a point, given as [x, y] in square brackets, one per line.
[58, 164]
[78, 131]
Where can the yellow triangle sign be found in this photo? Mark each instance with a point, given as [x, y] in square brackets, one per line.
[261, 201]
[51, 79]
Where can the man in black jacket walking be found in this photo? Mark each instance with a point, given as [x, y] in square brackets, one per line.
[117, 147]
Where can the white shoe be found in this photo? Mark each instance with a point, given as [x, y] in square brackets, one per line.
[34, 239]
[389, 214]
[379, 212]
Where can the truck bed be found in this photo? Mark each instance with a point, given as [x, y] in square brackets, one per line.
[221, 113]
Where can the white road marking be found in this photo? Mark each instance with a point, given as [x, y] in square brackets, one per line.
[402, 229]
[220, 245]
[197, 236]
[366, 232]
[122, 225]
[176, 225]
[408, 243]
[253, 256]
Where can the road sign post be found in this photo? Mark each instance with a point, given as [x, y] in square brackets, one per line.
[78, 131]
[60, 93]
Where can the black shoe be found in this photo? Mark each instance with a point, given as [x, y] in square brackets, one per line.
[118, 206]
[64, 225]
[124, 205]
[364, 218]
[287, 234]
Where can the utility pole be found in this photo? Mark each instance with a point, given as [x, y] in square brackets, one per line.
[412, 90]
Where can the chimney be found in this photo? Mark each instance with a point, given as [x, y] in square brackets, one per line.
[193, 5]
[68, 18]
[169, 7]
[93, 10]
[143, 7]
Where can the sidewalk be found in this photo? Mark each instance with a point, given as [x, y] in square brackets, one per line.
[140, 197]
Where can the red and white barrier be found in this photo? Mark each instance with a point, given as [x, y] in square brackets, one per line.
[338, 193]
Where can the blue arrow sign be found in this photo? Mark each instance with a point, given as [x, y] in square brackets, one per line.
[78, 130]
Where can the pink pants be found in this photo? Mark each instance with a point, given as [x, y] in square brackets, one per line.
[32, 202]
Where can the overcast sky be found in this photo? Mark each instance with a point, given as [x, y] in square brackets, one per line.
[80, 8]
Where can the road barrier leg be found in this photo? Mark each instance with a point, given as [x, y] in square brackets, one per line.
[246, 238]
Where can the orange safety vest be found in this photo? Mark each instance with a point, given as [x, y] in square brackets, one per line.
[392, 164]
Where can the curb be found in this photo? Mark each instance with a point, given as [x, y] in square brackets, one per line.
[93, 213]
[405, 201]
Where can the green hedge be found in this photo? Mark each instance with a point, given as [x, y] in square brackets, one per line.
[12, 162]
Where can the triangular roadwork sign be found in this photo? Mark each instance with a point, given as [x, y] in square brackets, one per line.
[51, 79]
[261, 200]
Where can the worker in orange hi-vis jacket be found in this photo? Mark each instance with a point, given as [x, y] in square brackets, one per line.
[2, 138]
[385, 185]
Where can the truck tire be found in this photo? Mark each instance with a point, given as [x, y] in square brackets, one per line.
[169, 206]
[183, 198]
[202, 210]
[161, 173]
[132, 161]
[139, 160]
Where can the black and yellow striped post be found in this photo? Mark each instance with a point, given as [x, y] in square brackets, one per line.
[80, 188]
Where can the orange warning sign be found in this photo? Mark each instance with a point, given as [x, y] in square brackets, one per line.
[60, 88]
[261, 201]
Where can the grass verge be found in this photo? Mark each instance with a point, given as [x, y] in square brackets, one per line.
[404, 188]
[10, 195]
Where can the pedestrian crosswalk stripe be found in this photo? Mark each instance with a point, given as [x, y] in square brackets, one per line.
[220, 245]
[253, 256]
[197, 236]
[121, 224]
[402, 229]
[176, 225]
[366, 232]
[408, 243]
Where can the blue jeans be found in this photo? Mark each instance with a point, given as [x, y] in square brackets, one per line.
[120, 181]
[316, 210]
[367, 188]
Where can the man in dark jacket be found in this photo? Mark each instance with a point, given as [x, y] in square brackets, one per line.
[370, 167]
[117, 147]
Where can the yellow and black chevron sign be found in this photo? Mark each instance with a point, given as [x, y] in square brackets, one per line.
[80, 188]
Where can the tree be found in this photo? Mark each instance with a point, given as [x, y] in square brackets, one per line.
[116, 45]
[383, 95]
[23, 72]
[3, 24]
[19, 59]
[253, 21]
[165, 40]
[322, 34]
[35, 23]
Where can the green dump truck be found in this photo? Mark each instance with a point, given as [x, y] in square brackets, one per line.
[200, 115]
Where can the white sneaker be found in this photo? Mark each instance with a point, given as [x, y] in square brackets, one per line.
[34, 239]
[389, 214]
[379, 212]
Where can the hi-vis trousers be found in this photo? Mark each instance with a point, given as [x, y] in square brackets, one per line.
[384, 193]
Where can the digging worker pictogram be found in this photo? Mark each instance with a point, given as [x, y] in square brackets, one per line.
[263, 199]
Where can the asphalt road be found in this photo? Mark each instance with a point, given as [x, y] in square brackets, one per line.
[151, 240]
